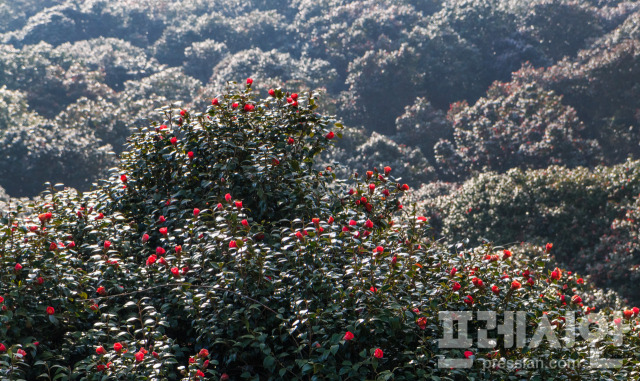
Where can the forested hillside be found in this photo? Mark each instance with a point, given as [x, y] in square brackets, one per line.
[427, 85]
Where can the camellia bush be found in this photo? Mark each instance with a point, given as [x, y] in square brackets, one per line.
[589, 214]
[216, 250]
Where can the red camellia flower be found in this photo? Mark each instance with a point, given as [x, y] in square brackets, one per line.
[162, 261]
[161, 219]
[468, 299]
[163, 231]
[44, 217]
[99, 216]
[100, 350]
[2, 348]
[196, 211]
[244, 223]
[71, 245]
[290, 141]
[468, 354]
[239, 204]
[151, 260]
[515, 285]
[233, 244]
[123, 178]
[368, 224]
[183, 112]
[422, 322]
[249, 81]
[107, 244]
[635, 310]
[203, 353]
[199, 373]
[53, 246]
[289, 100]
[101, 367]
[1, 299]
[477, 282]
[378, 353]
[531, 282]
[456, 286]
[227, 197]
[21, 352]
[372, 187]
[387, 170]
[145, 237]
[50, 310]
[40, 280]
[101, 290]
[576, 299]
[373, 289]
[215, 101]
[348, 336]
[556, 274]
[506, 254]
[224, 377]
[378, 249]
[580, 281]
[17, 267]
[330, 135]
[352, 223]
[175, 271]
[294, 96]
[404, 187]
[495, 289]
[627, 314]
[272, 92]
[139, 356]
[174, 140]
[185, 270]
[190, 155]
[160, 251]
[386, 192]
[330, 220]
[548, 247]
[234, 105]
[178, 248]
[249, 107]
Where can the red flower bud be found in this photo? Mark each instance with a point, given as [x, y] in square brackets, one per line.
[330, 135]
[378, 353]
[51, 311]
[272, 92]
[348, 336]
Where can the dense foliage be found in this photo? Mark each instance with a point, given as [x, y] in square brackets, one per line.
[589, 215]
[216, 250]
[100, 68]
